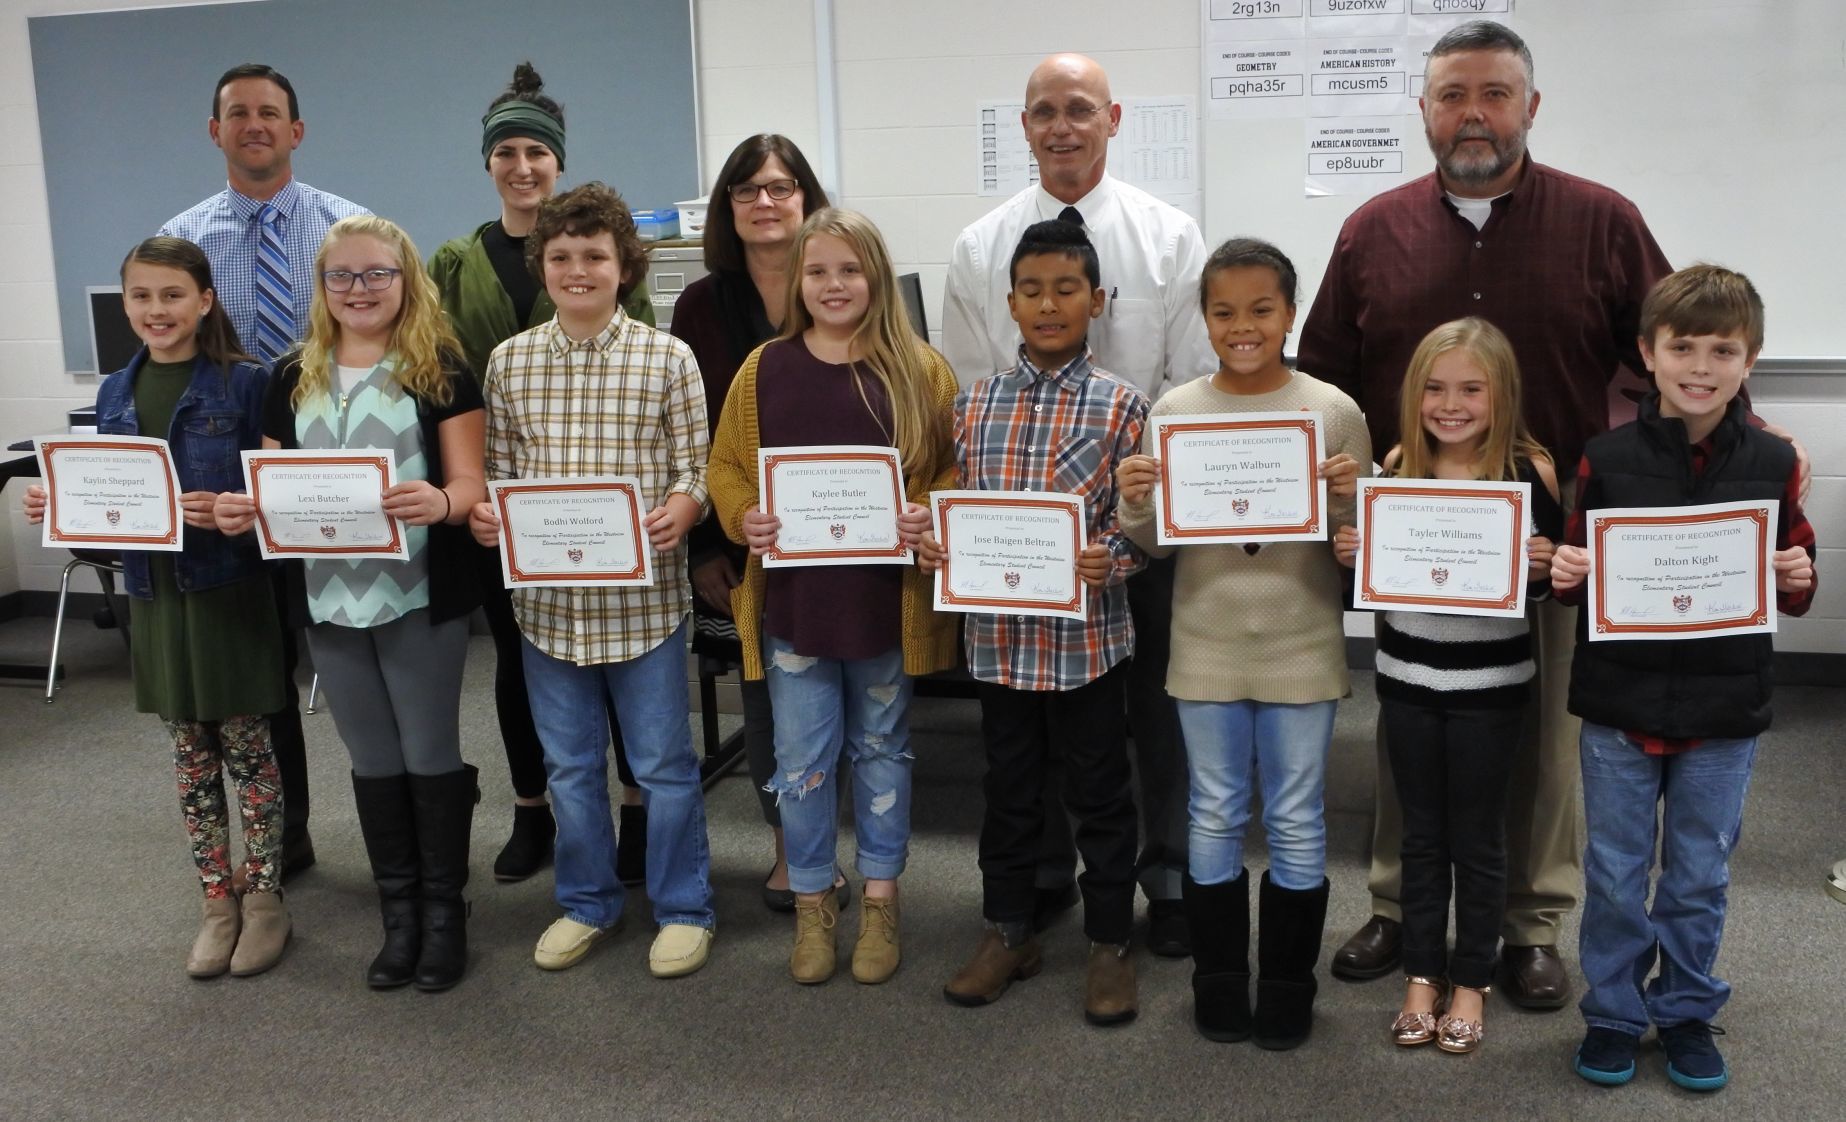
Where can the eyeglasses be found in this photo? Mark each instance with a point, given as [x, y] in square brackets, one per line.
[1045, 113]
[371, 280]
[777, 189]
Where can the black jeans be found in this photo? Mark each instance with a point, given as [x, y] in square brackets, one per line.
[1450, 768]
[525, 757]
[1085, 732]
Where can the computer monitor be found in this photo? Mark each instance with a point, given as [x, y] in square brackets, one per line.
[112, 341]
[910, 287]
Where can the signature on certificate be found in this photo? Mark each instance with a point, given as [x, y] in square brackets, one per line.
[1636, 611]
[1282, 513]
[1722, 607]
[1475, 584]
[1398, 580]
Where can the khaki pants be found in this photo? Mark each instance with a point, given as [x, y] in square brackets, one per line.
[1544, 803]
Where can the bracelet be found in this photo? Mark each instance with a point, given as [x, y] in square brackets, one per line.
[448, 504]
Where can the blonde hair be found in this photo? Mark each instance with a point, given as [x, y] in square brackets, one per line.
[885, 344]
[1507, 441]
[421, 340]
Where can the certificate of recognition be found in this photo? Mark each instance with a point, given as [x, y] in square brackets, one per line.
[583, 532]
[1442, 545]
[116, 492]
[1681, 572]
[315, 503]
[1010, 553]
[1239, 477]
[838, 504]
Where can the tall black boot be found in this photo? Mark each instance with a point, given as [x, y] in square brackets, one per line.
[389, 824]
[1219, 915]
[445, 811]
[1288, 930]
[631, 845]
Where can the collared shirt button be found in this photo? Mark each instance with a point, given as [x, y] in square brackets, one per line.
[1477, 245]
[1477, 296]
[1038, 409]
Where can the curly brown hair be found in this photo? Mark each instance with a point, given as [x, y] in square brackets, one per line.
[583, 212]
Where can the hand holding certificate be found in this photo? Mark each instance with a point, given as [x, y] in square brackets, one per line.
[1681, 572]
[838, 505]
[1239, 477]
[1010, 553]
[1439, 545]
[313, 503]
[583, 532]
[112, 492]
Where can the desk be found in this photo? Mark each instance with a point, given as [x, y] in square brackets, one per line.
[21, 467]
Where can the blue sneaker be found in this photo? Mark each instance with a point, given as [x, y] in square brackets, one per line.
[1606, 1056]
[1693, 1061]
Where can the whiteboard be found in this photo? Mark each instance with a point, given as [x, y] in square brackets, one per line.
[1721, 119]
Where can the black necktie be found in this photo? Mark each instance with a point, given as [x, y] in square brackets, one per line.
[1071, 215]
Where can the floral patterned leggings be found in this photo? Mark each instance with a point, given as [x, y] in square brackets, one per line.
[202, 751]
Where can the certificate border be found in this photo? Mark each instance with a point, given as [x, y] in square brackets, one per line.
[1062, 506]
[273, 549]
[1310, 525]
[47, 451]
[1600, 525]
[773, 459]
[519, 576]
[1514, 585]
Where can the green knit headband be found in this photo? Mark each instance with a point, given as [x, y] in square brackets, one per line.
[521, 118]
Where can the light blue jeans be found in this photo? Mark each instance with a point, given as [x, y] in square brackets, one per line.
[1700, 794]
[651, 703]
[1231, 747]
[821, 705]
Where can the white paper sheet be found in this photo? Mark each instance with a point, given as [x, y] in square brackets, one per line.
[1003, 163]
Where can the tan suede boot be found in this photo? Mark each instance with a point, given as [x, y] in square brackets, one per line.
[217, 938]
[1109, 986]
[812, 960]
[875, 954]
[265, 933]
[994, 967]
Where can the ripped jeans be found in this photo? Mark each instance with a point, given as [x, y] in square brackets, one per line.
[821, 704]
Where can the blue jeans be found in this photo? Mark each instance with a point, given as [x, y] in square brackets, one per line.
[821, 704]
[1621, 938]
[1230, 747]
[651, 702]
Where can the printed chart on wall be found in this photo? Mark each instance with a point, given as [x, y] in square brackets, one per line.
[1156, 149]
[1351, 69]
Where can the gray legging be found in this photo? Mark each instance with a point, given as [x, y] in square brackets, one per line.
[395, 690]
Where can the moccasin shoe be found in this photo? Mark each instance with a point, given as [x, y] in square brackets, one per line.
[875, 954]
[1109, 986]
[679, 949]
[811, 960]
[265, 932]
[566, 941]
[994, 967]
[217, 938]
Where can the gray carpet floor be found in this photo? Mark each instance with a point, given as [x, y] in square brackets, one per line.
[98, 904]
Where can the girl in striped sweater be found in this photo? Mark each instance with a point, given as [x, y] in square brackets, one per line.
[1453, 689]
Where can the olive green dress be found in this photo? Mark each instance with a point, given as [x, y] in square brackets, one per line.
[210, 654]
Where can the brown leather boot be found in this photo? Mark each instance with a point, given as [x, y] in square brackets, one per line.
[994, 967]
[265, 933]
[1109, 986]
[217, 939]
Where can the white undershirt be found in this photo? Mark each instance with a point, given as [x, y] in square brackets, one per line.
[1475, 210]
[347, 377]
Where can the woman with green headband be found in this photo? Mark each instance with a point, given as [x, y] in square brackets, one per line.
[490, 296]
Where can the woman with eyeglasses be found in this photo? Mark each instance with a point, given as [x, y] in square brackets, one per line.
[763, 193]
[491, 295]
[379, 369]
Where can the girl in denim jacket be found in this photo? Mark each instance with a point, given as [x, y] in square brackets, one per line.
[205, 641]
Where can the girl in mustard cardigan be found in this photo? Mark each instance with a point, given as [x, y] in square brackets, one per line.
[838, 644]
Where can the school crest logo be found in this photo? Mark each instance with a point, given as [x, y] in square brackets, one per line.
[575, 555]
[1240, 507]
[114, 516]
[838, 530]
[1012, 580]
[1440, 576]
[1682, 604]
[327, 531]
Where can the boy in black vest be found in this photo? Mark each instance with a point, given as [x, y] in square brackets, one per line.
[1673, 722]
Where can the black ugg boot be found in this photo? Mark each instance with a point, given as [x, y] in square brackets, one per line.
[528, 850]
[1219, 915]
[631, 845]
[445, 810]
[388, 822]
[1288, 930]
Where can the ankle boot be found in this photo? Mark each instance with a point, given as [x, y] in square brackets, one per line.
[265, 933]
[1219, 915]
[631, 845]
[217, 938]
[444, 812]
[1288, 930]
[529, 848]
[387, 820]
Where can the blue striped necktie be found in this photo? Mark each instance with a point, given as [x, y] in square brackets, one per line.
[275, 300]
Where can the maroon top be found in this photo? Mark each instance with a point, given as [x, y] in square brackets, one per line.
[827, 611]
[720, 316]
[1561, 267]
